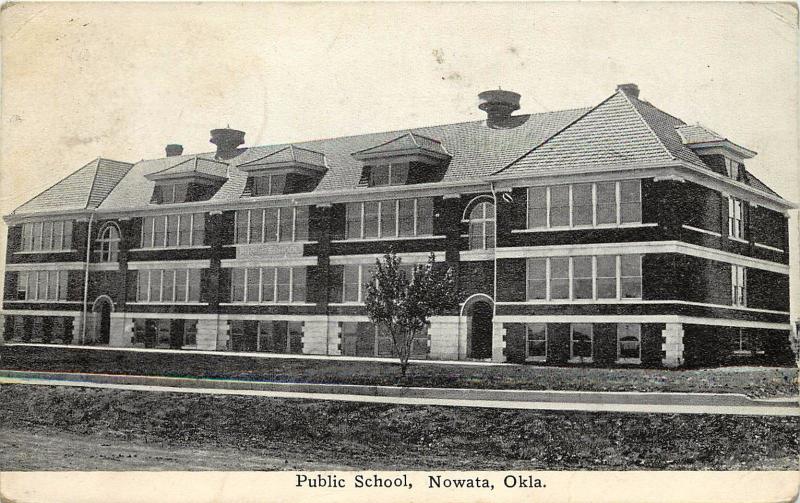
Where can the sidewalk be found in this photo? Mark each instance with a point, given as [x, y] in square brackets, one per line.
[635, 402]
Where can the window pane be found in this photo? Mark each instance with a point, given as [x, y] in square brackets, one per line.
[241, 226]
[606, 277]
[559, 278]
[68, 235]
[267, 284]
[476, 241]
[559, 205]
[631, 288]
[26, 236]
[537, 207]
[180, 192]
[199, 229]
[606, 203]
[270, 224]
[581, 340]
[237, 285]
[399, 174]
[52, 285]
[628, 337]
[37, 236]
[47, 236]
[42, 285]
[167, 293]
[277, 184]
[582, 204]
[172, 230]
[353, 224]
[195, 276]
[282, 284]
[489, 229]
[155, 286]
[301, 223]
[180, 285]
[253, 284]
[388, 216]
[379, 175]
[351, 283]
[31, 289]
[63, 277]
[22, 285]
[630, 201]
[286, 216]
[406, 217]
[424, 216]
[256, 221]
[631, 272]
[371, 219]
[298, 284]
[159, 234]
[260, 186]
[537, 339]
[537, 273]
[147, 232]
[582, 277]
[58, 235]
[631, 265]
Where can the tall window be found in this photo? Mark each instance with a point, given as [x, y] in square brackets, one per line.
[168, 285]
[585, 277]
[585, 204]
[268, 225]
[185, 229]
[481, 227]
[536, 341]
[388, 174]
[42, 285]
[738, 285]
[108, 243]
[581, 341]
[389, 219]
[47, 236]
[735, 218]
[268, 284]
[629, 339]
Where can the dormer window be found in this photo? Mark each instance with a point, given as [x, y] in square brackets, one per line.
[388, 174]
[285, 171]
[188, 179]
[732, 168]
[268, 185]
[397, 161]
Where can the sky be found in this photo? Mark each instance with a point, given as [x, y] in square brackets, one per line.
[122, 80]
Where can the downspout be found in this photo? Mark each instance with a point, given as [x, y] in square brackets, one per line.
[494, 256]
[86, 279]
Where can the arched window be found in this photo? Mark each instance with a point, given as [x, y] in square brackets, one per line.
[481, 226]
[108, 243]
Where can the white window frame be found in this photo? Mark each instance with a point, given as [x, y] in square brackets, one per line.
[105, 243]
[571, 225]
[274, 283]
[581, 359]
[396, 235]
[483, 220]
[736, 228]
[280, 216]
[165, 244]
[738, 285]
[535, 358]
[161, 273]
[571, 277]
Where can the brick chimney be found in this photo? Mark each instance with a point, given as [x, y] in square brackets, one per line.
[629, 90]
[173, 149]
[227, 141]
[498, 105]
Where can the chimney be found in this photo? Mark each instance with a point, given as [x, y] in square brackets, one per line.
[629, 90]
[227, 140]
[173, 149]
[498, 105]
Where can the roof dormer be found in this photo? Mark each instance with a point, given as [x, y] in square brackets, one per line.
[189, 179]
[288, 170]
[719, 153]
[409, 158]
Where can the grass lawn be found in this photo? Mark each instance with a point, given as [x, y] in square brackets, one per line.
[43, 427]
[752, 381]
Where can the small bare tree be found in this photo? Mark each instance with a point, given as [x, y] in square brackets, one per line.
[402, 303]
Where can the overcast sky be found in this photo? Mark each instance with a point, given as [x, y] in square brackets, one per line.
[123, 80]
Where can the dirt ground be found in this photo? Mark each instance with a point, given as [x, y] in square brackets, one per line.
[48, 428]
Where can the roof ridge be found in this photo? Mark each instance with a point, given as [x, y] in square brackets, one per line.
[94, 181]
[660, 142]
[547, 140]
